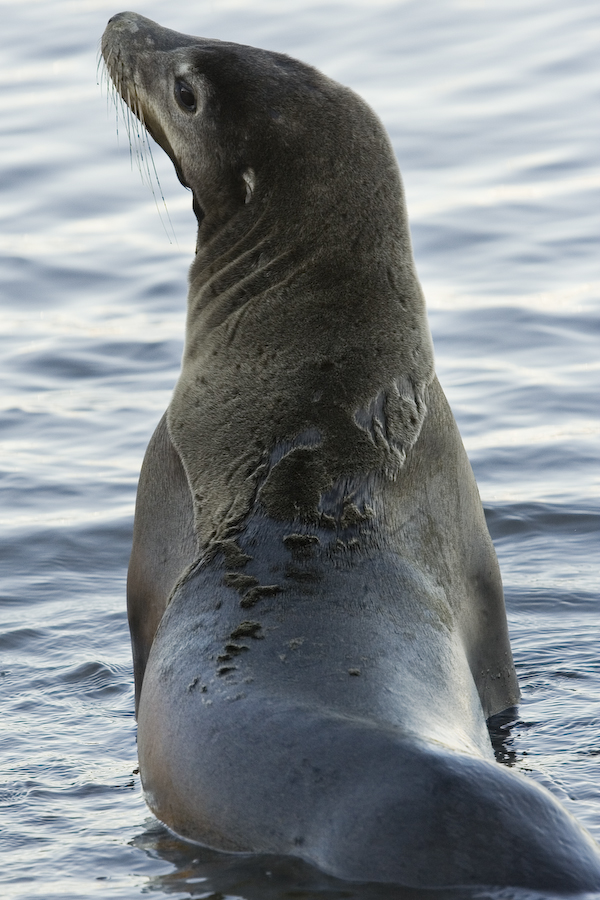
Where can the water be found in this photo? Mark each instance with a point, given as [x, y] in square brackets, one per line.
[492, 114]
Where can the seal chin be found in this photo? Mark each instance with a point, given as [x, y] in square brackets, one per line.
[177, 167]
[198, 211]
[157, 133]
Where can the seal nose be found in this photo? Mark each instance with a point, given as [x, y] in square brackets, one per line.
[125, 18]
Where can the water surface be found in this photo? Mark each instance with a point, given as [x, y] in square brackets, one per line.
[493, 117]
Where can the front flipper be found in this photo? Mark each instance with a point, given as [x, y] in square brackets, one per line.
[164, 544]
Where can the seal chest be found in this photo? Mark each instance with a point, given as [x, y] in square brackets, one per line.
[315, 606]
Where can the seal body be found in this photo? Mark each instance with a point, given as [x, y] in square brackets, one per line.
[315, 605]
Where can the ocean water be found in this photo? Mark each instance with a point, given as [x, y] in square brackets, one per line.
[492, 109]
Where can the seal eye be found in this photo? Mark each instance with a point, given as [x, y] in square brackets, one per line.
[185, 96]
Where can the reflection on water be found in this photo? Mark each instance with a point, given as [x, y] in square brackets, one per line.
[489, 106]
[202, 873]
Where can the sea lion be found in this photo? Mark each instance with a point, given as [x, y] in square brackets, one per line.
[315, 605]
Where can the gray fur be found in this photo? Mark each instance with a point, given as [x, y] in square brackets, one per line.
[315, 604]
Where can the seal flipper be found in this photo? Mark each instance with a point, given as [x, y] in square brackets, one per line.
[164, 544]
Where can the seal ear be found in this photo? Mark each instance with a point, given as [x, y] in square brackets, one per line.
[250, 181]
[393, 420]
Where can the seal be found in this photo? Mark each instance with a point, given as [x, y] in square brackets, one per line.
[315, 605]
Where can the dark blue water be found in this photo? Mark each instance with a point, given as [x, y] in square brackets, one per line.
[492, 109]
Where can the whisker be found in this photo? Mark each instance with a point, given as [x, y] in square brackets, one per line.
[129, 112]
